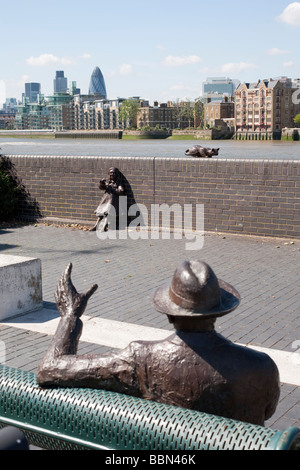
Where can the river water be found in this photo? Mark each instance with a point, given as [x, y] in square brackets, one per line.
[229, 149]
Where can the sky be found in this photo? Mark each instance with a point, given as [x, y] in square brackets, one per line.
[158, 50]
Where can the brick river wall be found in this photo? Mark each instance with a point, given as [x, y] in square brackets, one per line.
[257, 197]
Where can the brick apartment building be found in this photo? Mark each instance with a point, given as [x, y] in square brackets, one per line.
[266, 106]
[7, 120]
[91, 114]
[216, 111]
[161, 115]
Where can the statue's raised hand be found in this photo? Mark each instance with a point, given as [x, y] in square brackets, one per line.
[68, 300]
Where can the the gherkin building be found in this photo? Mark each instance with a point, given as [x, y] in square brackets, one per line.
[97, 84]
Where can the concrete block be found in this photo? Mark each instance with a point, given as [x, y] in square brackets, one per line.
[20, 285]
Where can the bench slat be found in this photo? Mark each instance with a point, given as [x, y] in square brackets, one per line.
[73, 418]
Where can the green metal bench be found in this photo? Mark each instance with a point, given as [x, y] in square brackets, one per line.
[65, 419]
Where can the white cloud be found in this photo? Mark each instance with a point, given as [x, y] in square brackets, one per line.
[47, 59]
[17, 84]
[125, 69]
[177, 87]
[85, 56]
[179, 91]
[182, 87]
[288, 64]
[175, 61]
[276, 51]
[205, 70]
[232, 67]
[110, 73]
[291, 14]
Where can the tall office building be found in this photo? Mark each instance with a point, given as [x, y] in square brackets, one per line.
[73, 89]
[32, 90]
[60, 82]
[217, 87]
[10, 104]
[97, 84]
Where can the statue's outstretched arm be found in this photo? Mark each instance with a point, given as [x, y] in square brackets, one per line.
[62, 366]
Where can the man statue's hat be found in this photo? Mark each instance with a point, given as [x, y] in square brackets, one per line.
[195, 291]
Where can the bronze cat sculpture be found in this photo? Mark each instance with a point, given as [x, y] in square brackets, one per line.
[198, 151]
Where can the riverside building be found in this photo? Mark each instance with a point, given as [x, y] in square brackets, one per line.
[99, 114]
[32, 116]
[264, 108]
[160, 115]
[60, 111]
[216, 112]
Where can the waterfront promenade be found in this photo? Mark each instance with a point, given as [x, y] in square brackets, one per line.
[264, 270]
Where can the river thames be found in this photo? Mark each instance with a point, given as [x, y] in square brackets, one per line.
[229, 149]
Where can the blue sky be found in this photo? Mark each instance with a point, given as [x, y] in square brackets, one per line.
[158, 50]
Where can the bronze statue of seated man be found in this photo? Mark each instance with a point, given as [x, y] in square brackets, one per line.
[195, 367]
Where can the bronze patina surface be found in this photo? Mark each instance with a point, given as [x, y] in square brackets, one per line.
[113, 187]
[198, 151]
[194, 368]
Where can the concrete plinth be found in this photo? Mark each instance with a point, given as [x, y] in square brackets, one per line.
[20, 285]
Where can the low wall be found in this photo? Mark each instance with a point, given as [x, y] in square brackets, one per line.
[88, 135]
[150, 134]
[258, 197]
[205, 134]
[257, 135]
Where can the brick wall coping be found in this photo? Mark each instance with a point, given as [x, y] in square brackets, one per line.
[183, 159]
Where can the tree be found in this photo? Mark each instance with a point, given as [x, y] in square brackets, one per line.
[8, 190]
[297, 120]
[187, 112]
[199, 114]
[128, 112]
[177, 109]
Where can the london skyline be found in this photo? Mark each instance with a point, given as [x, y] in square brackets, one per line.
[164, 51]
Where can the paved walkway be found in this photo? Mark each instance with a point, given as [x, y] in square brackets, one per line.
[264, 270]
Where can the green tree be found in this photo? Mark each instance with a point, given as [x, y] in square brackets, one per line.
[177, 112]
[199, 114]
[187, 112]
[297, 119]
[128, 112]
[8, 191]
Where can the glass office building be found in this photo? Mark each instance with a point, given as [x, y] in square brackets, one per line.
[32, 90]
[219, 86]
[60, 82]
[97, 84]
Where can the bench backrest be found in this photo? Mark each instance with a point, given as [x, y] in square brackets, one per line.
[58, 418]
